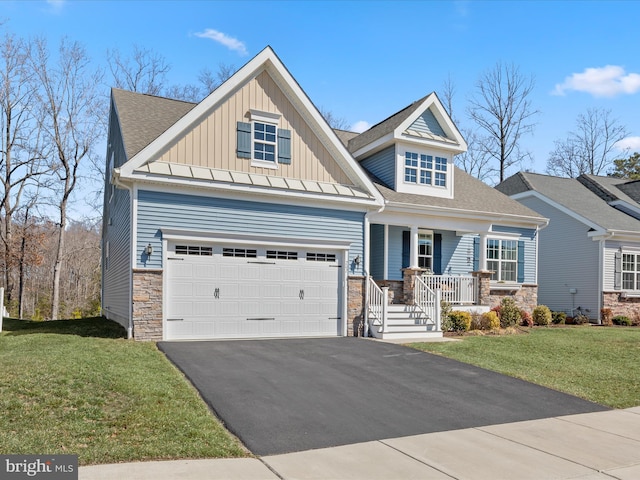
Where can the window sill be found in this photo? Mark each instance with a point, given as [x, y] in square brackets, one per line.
[634, 294]
[505, 286]
[264, 164]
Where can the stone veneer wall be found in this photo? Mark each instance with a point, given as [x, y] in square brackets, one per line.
[629, 307]
[147, 304]
[526, 297]
[355, 306]
[396, 290]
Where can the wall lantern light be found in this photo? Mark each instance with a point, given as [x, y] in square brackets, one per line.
[148, 249]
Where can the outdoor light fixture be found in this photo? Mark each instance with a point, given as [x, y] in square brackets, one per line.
[148, 249]
[357, 260]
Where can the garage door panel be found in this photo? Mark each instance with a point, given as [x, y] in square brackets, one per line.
[235, 297]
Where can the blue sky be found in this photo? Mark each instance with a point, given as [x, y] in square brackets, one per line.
[364, 60]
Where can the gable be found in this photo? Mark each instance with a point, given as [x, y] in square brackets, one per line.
[427, 123]
[211, 141]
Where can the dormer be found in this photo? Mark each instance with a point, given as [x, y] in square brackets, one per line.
[413, 150]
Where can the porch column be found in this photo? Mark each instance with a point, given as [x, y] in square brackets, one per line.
[386, 252]
[413, 252]
[482, 261]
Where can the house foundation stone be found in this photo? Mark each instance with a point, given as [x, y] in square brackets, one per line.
[355, 308]
[525, 296]
[621, 305]
[147, 305]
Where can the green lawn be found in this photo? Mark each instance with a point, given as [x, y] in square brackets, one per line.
[601, 364]
[77, 386]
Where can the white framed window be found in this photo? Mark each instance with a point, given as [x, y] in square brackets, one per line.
[631, 271]
[425, 250]
[502, 259]
[425, 169]
[264, 142]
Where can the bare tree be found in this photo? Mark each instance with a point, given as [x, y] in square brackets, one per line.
[339, 123]
[210, 81]
[589, 148]
[21, 154]
[502, 109]
[70, 104]
[144, 71]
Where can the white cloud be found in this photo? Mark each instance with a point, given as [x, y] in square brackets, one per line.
[629, 143]
[56, 5]
[607, 81]
[360, 126]
[223, 39]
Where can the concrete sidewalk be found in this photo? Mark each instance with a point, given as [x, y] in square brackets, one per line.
[593, 446]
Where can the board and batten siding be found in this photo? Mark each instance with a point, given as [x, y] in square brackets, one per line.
[567, 259]
[158, 210]
[211, 141]
[383, 165]
[116, 266]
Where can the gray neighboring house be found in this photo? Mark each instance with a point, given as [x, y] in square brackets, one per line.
[589, 255]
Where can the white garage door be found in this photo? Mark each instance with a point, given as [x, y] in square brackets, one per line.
[229, 292]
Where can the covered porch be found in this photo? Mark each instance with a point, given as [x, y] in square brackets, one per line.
[412, 268]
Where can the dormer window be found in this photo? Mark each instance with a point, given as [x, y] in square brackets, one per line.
[425, 169]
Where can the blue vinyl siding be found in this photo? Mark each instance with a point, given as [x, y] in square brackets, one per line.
[427, 123]
[377, 251]
[116, 233]
[383, 166]
[457, 253]
[395, 252]
[190, 212]
[116, 272]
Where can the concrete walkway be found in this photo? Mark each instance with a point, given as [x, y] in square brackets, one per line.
[593, 446]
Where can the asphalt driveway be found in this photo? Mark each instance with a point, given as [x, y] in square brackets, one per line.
[290, 395]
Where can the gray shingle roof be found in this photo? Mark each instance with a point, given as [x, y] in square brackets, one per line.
[384, 127]
[586, 196]
[470, 195]
[143, 118]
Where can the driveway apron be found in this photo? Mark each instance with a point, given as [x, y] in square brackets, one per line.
[289, 395]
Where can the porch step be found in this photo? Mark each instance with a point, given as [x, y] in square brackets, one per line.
[406, 321]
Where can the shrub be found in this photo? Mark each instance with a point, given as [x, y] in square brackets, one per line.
[542, 315]
[509, 313]
[580, 319]
[445, 311]
[606, 316]
[621, 320]
[460, 321]
[558, 318]
[476, 321]
[490, 321]
[527, 319]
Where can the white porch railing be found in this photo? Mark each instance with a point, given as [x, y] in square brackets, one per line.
[377, 304]
[428, 300]
[456, 290]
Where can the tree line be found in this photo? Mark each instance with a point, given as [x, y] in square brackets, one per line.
[53, 123]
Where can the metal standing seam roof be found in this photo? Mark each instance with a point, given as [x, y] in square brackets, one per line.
[578, 197]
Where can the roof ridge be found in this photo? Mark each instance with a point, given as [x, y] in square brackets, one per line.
[596, 187]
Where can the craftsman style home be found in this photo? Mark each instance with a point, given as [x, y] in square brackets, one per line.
[590, 252]
[247, 216]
